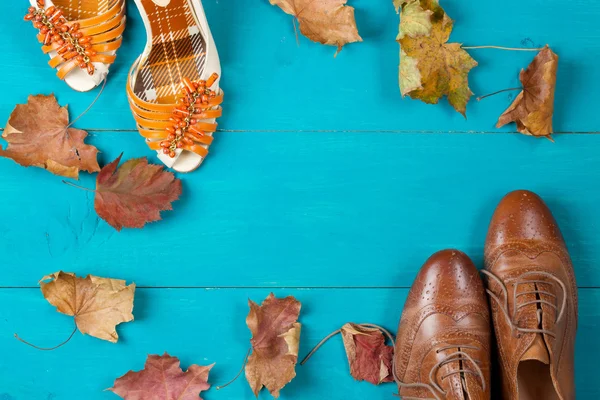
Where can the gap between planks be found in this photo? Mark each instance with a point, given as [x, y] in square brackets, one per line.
[371, 131]
[266, 287]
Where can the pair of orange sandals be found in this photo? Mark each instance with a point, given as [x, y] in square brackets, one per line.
[173, 86]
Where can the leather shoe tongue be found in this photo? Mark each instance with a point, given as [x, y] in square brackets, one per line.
[537, 351]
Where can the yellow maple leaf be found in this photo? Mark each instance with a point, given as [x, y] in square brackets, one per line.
[431, 68]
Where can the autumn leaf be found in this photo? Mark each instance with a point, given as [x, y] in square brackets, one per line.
[135, 193]
[163, 379]
[431, 68]
[329, 22]
[533, 108]
[98, 304]
[369, 357]
[38, 135]
[275, 341]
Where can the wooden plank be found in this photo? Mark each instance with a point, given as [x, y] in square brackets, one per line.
[206, 326]
[271, 83]
[304, 209]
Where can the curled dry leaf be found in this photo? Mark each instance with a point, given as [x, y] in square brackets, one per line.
[163, 379]
[275, 341]
[38, 136]
[533, 108]
[328, 22]
[135, 193]
[369, 357]
[98, 304]
[431, 68]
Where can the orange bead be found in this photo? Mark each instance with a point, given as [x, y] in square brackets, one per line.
[91, 69]
[50, 10]
[172, 154]
[28, 17]
[166, 150]
[85, 39]
[38, 25]
[31, 10]
[189, 85]
[83, 65]
[90, 53]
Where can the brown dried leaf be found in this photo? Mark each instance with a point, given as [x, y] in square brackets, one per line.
[275, 341]
[431, 68]
[369, 357]
[135, 193]
[533, 108]
[98, 304]
[37, 135]
[163, 379]
[328, 22]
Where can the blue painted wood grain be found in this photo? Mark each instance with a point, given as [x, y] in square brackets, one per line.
[206, 326]
[271, 83]
[293, 196]
[312, 209]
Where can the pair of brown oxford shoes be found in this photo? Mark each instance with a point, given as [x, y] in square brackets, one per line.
[445, 346]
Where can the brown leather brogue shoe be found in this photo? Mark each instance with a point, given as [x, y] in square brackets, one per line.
[443, 344]
[534, 300]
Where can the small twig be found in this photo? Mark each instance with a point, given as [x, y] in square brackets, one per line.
[383, 330]
[90, 106]
[239, 373]
[296, 32]
[77, 186]
[321, 343]
[499, 91]
[502, 48]
[47, 348]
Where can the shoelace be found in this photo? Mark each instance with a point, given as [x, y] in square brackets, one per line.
[521, 280]
[433, 386]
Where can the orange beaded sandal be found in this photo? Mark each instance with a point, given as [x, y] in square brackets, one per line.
[173, 86]
[81, 37]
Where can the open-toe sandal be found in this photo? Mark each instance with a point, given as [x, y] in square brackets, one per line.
[80, 36]
[173, 87]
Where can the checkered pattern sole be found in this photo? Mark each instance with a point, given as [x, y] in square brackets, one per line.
[178, 51]
[81, 9]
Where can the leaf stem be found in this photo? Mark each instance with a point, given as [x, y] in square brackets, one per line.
[77, 186]
[47, 348]
[502, 48]
[499, 91]
[239, 373]
[318, 346]
[90, 106]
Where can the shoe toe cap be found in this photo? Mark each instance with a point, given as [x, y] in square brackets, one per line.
[522, 216]
[447, 277]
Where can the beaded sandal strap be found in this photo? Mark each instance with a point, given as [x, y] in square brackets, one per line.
[78, 43]
[169, 127]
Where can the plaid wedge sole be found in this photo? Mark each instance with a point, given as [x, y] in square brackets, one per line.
[173, 87]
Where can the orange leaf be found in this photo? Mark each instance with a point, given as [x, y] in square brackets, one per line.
[38, 136]
[135, 193]
[163, 379]
[98, 304]
[533, 108]
[328, 22]
[275, 341]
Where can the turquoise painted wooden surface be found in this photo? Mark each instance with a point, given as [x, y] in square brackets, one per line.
[322, 183]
